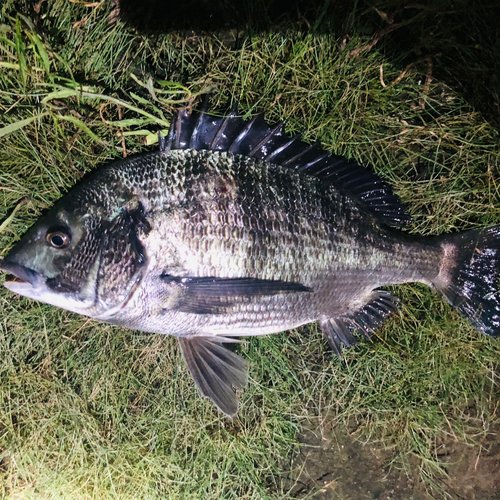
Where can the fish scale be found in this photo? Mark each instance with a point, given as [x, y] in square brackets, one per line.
[235, 229]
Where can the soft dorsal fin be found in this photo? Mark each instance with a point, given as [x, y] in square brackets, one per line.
[257, 139]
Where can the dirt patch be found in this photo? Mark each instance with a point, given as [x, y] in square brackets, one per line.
[474, 471]
[332, 465]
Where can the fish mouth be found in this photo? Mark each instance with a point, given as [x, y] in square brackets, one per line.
[35, 285]
[19, 277]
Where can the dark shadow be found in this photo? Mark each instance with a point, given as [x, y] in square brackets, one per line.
[457, 42]
[216, 15]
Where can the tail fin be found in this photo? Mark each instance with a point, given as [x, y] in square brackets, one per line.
[470, 276]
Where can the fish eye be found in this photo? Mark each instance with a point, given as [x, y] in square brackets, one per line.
[58, 238]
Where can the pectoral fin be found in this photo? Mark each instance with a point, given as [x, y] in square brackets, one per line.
[211, 295]
[216, 371]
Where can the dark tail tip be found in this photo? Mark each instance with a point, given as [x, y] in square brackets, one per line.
[470, 277]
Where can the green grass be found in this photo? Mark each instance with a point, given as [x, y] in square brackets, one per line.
[92, 411]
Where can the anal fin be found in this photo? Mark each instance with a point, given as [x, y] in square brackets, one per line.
[340, 331]
[338, 334]
[215, 370]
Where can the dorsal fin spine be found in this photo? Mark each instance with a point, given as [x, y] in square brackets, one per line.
[196, 129]
[315, 161]
[178, 128]
[293, 159]
[273, 132]
[242, 134]
[171, 134]
[282, 148]
[219, 132]
[330, 166]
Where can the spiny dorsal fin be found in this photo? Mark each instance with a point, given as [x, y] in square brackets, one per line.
[339, 331]
[257, 139]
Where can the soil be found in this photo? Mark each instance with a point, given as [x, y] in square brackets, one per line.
[333, 465]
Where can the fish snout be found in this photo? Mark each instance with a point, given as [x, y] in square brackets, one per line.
[21, 274]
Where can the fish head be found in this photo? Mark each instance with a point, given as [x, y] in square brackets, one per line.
[55, 262]
[84, 255]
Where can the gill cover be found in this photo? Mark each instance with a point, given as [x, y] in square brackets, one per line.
[122, 259]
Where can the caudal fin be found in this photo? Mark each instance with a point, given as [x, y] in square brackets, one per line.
[470, 277]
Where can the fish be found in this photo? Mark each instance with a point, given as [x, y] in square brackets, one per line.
[233, 228]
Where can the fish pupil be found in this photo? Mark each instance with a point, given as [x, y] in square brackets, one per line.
[58, 239]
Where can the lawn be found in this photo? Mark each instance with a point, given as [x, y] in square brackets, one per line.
[88, 410]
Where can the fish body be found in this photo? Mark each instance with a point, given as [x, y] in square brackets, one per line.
[235, 229]
[235, 217]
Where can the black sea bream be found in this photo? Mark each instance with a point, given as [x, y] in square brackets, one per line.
[235, 229]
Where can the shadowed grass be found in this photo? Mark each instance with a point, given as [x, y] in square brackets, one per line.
[92, 411]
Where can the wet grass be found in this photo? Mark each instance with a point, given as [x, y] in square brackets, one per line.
[92, 411]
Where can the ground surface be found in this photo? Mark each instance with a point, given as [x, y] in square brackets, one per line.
[333, 465]
[90, 411]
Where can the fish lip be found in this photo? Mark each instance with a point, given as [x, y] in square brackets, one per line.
[34, 285]
[22, 273]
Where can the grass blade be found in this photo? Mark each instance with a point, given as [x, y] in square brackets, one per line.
[20, 124]
[82, 126]
[44, 56]
[21, 53]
